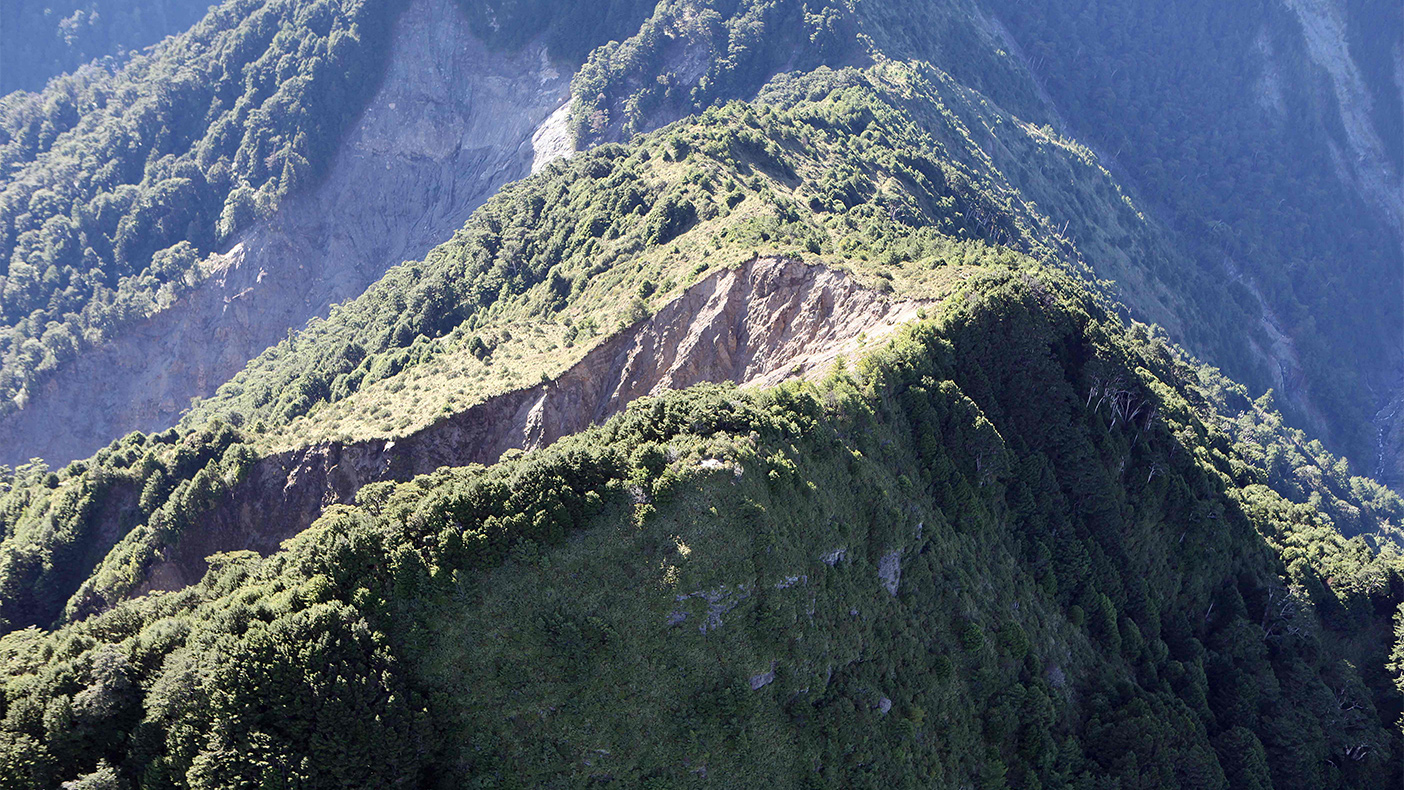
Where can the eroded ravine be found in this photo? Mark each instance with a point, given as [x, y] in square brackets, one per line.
[759, 324]
[450, 124]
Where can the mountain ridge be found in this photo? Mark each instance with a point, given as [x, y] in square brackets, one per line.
[381, 591]
[828, 420]
[1294, 357]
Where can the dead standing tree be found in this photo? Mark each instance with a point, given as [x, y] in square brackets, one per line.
[1126, 406]
[1282, 613]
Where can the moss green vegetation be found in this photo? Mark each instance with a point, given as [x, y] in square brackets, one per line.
[540, 275]
[945, 565]
[140, 493]
[875, 170]
[1186, 126]
[118, 185]
[553, 264]
[691, 55]
[115, 185]
[872, 170]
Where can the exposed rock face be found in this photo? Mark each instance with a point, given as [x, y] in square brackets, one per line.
[552, 139]
[765, 678]
[890, 571]
[450, 124]
[1320, 69]
[1365, 165]
[766, 321]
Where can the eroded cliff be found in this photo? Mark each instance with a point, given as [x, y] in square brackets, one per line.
[757, 325]
[451, 123]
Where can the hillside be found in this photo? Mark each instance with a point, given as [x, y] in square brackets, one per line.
[167, 221]
[1222, 122]
[158, 323]
[118, 184]
[387, 196]
[1183, 99]
[704, 393]
[812, 583]
[1084, 453]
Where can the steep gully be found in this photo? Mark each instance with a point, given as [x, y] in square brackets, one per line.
[767, 321]
[1363, 168]
[449, 125]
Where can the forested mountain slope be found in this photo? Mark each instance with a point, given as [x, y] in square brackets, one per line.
[166, 326]
[807, 427]
[310, 145]
[879, 580]
[397, 381]
[450, 122]
[118, 184]
[1022, 507]
[542, 274]
[1254, 133]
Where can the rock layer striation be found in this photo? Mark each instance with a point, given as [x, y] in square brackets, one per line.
[766, 321]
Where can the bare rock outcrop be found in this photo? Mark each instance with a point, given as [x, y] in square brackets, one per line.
[766, 321]
[449, 125]
[1365, 166]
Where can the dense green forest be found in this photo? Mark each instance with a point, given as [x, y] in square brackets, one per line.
[738, 179]
[1165, 92]
[689, 56]
[1031, 541]
[570, 250]
[877, 169]
[116, 184]
[41, 39]
[1025, 422]
[815, 585]
[579, 250]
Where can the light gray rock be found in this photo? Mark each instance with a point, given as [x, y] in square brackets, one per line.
[890, 570]
[763, 679]
[451, 123]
